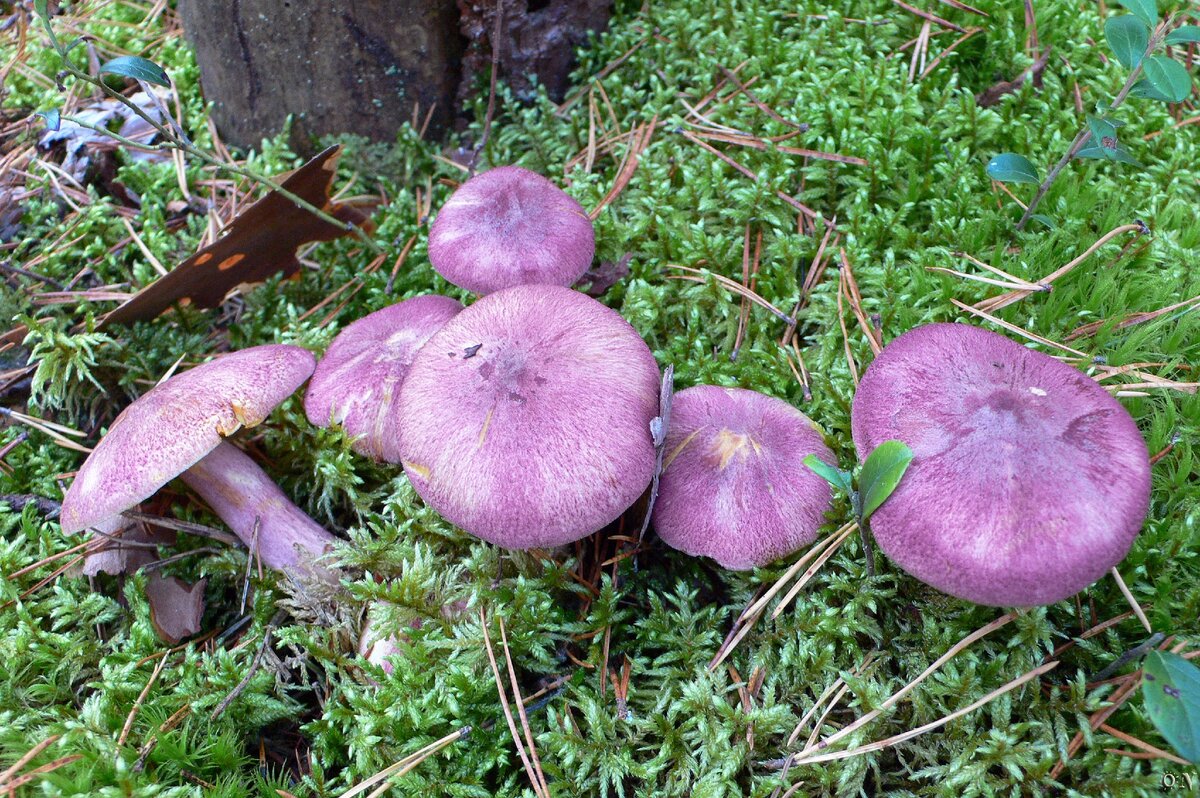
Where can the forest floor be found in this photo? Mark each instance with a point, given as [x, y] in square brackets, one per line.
[699, 130]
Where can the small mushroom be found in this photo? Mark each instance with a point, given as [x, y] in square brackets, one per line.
[734, 485]
[357, 383]
[510, 226]
[526, 419]
[1028, 480]
[176, 424]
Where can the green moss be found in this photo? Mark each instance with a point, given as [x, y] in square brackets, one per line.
[74, 656]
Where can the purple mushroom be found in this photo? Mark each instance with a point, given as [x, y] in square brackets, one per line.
[526, 419]
[509, 226]
[1028, 481]
[357, 383]
[245, 498]
[175, 426]
[734, 486]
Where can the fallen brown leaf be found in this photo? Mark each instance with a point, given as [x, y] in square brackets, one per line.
[259, 242]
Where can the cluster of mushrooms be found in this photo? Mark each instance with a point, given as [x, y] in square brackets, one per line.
[526, 419]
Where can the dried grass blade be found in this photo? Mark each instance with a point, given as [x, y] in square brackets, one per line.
[407, 763]
[1018, 330]
[512, 677]
[896, 697]
[639, 140]
[1004, 300]
[937, 724]
[508, 715]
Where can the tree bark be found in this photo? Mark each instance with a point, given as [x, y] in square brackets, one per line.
[354, 66]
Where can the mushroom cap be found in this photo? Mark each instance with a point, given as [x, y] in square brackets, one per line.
[1028, 481]
[734, 486]
[357, 382]
[510, 226]
[525, 420]
[174, 424]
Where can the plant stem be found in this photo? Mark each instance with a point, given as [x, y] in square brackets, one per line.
[174, 142]
[1082, 137]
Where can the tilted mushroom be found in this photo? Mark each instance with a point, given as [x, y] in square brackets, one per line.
[734, 486]
[1028, 480]
[356, 384]
[526, 419]
[509, 226]
[175, 425]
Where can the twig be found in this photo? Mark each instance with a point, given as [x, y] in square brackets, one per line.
[1085, 133]
[254, 665]
[1137, 608]
[137, 705]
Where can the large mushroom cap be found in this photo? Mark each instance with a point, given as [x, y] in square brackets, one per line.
[1028, 481]
[173, 425]
[358, 381]
[509, 226]
[734, 485]
[526, 419]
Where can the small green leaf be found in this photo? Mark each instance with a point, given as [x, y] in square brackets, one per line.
[1009, 167]
[1128, 38]
[131, 66]
[1185, 35]
[834, 476]
[1169, 77]
[41, 8]
[1104, 132]
[1122, 155]
[1145, 10]
[1171, 690]
[52, 117]
[881, 474]
[1118, 154]
[1044, 220]
[1144, 90]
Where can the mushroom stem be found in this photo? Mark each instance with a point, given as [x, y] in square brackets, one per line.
[243, 496]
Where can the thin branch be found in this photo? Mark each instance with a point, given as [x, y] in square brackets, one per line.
[1084, 134]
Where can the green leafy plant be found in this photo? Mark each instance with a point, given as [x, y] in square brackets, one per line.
[878, 477]
[1171, 690]
[1134, 39]
[173, 138]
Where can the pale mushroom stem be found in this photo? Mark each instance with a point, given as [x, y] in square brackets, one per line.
[244, 497]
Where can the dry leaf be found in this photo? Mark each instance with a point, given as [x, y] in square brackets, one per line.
[176, 608]
[261, 241]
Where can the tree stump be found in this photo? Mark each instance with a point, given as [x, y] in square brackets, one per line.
[356, 66]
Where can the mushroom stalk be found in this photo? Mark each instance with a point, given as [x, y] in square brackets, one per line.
[244, 497]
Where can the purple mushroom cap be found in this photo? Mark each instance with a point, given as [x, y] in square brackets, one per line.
[734, 486]
[509, 226]
[526, 419]
[357, 383]
[1028, 481]
[179, 421]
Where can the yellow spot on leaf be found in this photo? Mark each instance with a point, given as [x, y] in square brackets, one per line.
[231, 261]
